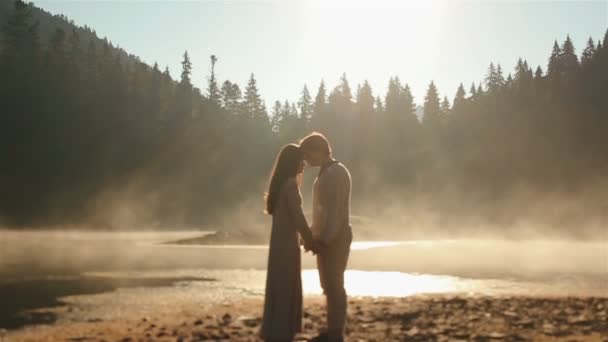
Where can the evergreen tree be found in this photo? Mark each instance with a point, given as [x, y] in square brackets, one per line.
[460, 97]
[306, 107]
[494, 78]
[253, 104]
[473, 90]
[392, 99]
[318, 119]
[378, 106]
[568, 61]
[509, 81]
[553, 66]
[276, 113]
[445, 109]
[345, 88]
[588, 54]
[432, 109]
[538, 75]
[231, 97]
[186, 71]
[213, 91]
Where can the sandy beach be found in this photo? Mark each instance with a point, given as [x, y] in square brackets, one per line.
[416, 318]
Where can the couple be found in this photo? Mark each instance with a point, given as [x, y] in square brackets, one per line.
[329, 237]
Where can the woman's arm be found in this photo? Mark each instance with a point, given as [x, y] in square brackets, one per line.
[294, 205]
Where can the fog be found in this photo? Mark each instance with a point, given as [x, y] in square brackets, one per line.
[44, 268]
[36, 253]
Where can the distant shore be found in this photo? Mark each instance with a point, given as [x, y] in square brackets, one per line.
[417, 318]
[223, 238]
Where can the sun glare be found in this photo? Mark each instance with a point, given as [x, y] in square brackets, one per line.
[359, 29]
[378, 284]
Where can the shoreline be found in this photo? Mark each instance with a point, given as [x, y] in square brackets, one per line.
[417, 318]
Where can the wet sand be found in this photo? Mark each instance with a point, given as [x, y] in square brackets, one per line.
[416, 318]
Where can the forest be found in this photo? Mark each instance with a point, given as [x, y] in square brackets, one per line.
[90, 134]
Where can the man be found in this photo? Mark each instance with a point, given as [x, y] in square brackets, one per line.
[331, 229]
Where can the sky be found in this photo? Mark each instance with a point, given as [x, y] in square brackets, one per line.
[288, 43]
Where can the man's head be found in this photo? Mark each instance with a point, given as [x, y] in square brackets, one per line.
[316, 149]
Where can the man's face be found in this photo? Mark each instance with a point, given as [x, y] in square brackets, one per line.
[314, 158]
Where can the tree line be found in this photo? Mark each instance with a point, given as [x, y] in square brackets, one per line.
[83, 122]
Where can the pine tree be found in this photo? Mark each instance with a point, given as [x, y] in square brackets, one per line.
[406, 104]
[294, 113]
[306, 106]
[365, 102]
[445, 110]
[276, 116]
[538, 75]
[432, 109]
[287, 120]
[522, 73]
[500, 80]
[473, 90]
[553, 66]
[490, 79]
[253, 105]
[378, 106]
[509, 81]
[494, 79]
[589, 53]
[568, 61]
[459, 99]
[392, 97]
[186, 70]
[231, 97]
[345, 88]
[320, 99]
[319, 108]
[213, 91]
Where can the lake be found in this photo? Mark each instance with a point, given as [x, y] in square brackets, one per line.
[105, 274]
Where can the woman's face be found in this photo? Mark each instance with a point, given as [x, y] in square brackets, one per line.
[301, 166]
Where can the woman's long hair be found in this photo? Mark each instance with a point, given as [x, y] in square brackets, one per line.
[288, 164]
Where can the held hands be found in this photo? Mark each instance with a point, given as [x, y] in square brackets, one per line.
[313, 246]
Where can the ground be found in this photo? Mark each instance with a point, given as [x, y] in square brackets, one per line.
[417, 318]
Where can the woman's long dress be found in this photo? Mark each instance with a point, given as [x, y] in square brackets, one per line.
[283, 300]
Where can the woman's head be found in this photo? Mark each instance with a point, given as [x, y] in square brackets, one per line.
[289, 163]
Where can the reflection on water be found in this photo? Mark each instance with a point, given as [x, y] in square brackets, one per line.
[235, 284]
[361, 245]
[390, 284]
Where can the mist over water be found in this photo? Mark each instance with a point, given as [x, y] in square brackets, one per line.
[117, 274]
[39, 253]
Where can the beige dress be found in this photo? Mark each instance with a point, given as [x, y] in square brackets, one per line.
[283, 300]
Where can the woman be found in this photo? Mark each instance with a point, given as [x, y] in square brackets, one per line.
[283, 300]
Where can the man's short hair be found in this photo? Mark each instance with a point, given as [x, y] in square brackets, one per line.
[316, 142]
